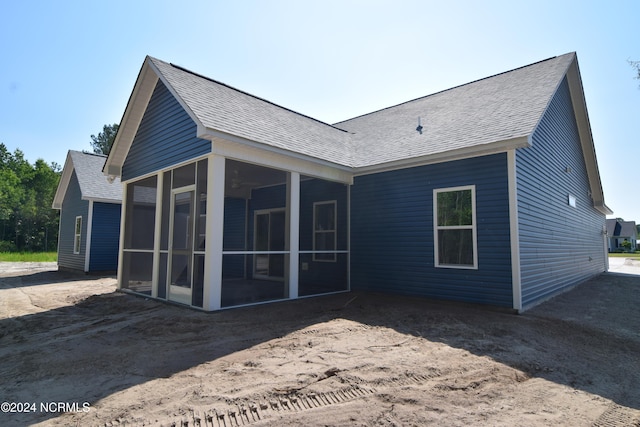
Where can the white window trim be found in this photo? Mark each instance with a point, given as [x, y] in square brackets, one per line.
[334, 231]
[472, 227]
[77, 235]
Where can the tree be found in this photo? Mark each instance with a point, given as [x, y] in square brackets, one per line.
[27, 221]
[102, 143]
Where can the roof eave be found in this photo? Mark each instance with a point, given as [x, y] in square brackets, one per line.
[63, 184]
[586, 137]
[448, 156]
[239, 148]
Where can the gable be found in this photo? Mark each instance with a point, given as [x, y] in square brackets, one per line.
[166, 136]
[560, 244]
[91, 182]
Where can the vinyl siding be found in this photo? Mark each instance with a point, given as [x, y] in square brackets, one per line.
[72, 206]
[392, 245]
[560, 245]
[166, 136]
[105, 237]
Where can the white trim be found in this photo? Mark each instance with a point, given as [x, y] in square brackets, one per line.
[516, 275]
[87, 251]
[334, 231]
[155, 264]
[134, 111]
[63, 184]
[76, 234]
[446, 156]
[240, 149]
[177, 293]
[167, 169]
[212, 285]
[100, 200]
[293, 226]
[123, 215]
[473, 227]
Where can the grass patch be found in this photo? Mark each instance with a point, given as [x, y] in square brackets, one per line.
[28, 256]
[626, 255]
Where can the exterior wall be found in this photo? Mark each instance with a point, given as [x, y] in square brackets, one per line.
[166, 137]
[560, 245]
[105, 236]
[392, 240]
[72, 206]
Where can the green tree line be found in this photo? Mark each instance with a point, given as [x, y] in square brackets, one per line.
[27, 221]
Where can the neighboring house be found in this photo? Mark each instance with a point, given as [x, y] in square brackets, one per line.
[488, 193]
[89, 215]
[618, 231]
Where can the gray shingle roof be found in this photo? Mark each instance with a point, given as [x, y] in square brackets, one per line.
[498, 108]
[94, 185]
[223, 108]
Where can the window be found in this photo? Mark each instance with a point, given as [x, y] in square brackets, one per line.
[324, 230]
[77, 235]
[454, 211]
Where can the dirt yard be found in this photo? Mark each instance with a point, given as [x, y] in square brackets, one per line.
[74, 351]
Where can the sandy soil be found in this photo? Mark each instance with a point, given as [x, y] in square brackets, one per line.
[72, 343]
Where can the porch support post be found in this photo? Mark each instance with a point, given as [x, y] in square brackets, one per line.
[293, 207]
[155, 276]
[212, 292]
[123, 220]
[516, 277]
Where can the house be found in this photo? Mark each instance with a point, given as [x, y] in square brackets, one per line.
[89, 215]
[488, 193]
[619, 231]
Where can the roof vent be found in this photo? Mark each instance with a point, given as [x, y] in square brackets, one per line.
[419, 128]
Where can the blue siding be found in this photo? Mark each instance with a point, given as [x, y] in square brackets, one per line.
[166, 136]
[560, 245]
[72, 206]
[105, 236]
[392, 245]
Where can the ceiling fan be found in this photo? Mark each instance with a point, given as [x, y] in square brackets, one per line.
[237, 182]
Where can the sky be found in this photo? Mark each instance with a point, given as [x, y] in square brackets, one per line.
[69, 67]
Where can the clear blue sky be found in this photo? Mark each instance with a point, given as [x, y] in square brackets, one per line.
[68, 67]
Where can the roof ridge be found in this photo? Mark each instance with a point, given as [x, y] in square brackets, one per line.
[450, 89]
[252, 95]
[89, 153]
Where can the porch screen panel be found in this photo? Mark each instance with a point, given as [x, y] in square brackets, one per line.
[140, 214]
[255, 250]
[324, 252]
[139, 235]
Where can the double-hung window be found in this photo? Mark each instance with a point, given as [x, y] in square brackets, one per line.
[454, 211]
[77, 235]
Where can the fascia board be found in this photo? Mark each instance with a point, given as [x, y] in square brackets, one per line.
[101, 200]
[242, 149]
[136, 107]
[586, 137]
[448, 156]
[67, 171]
